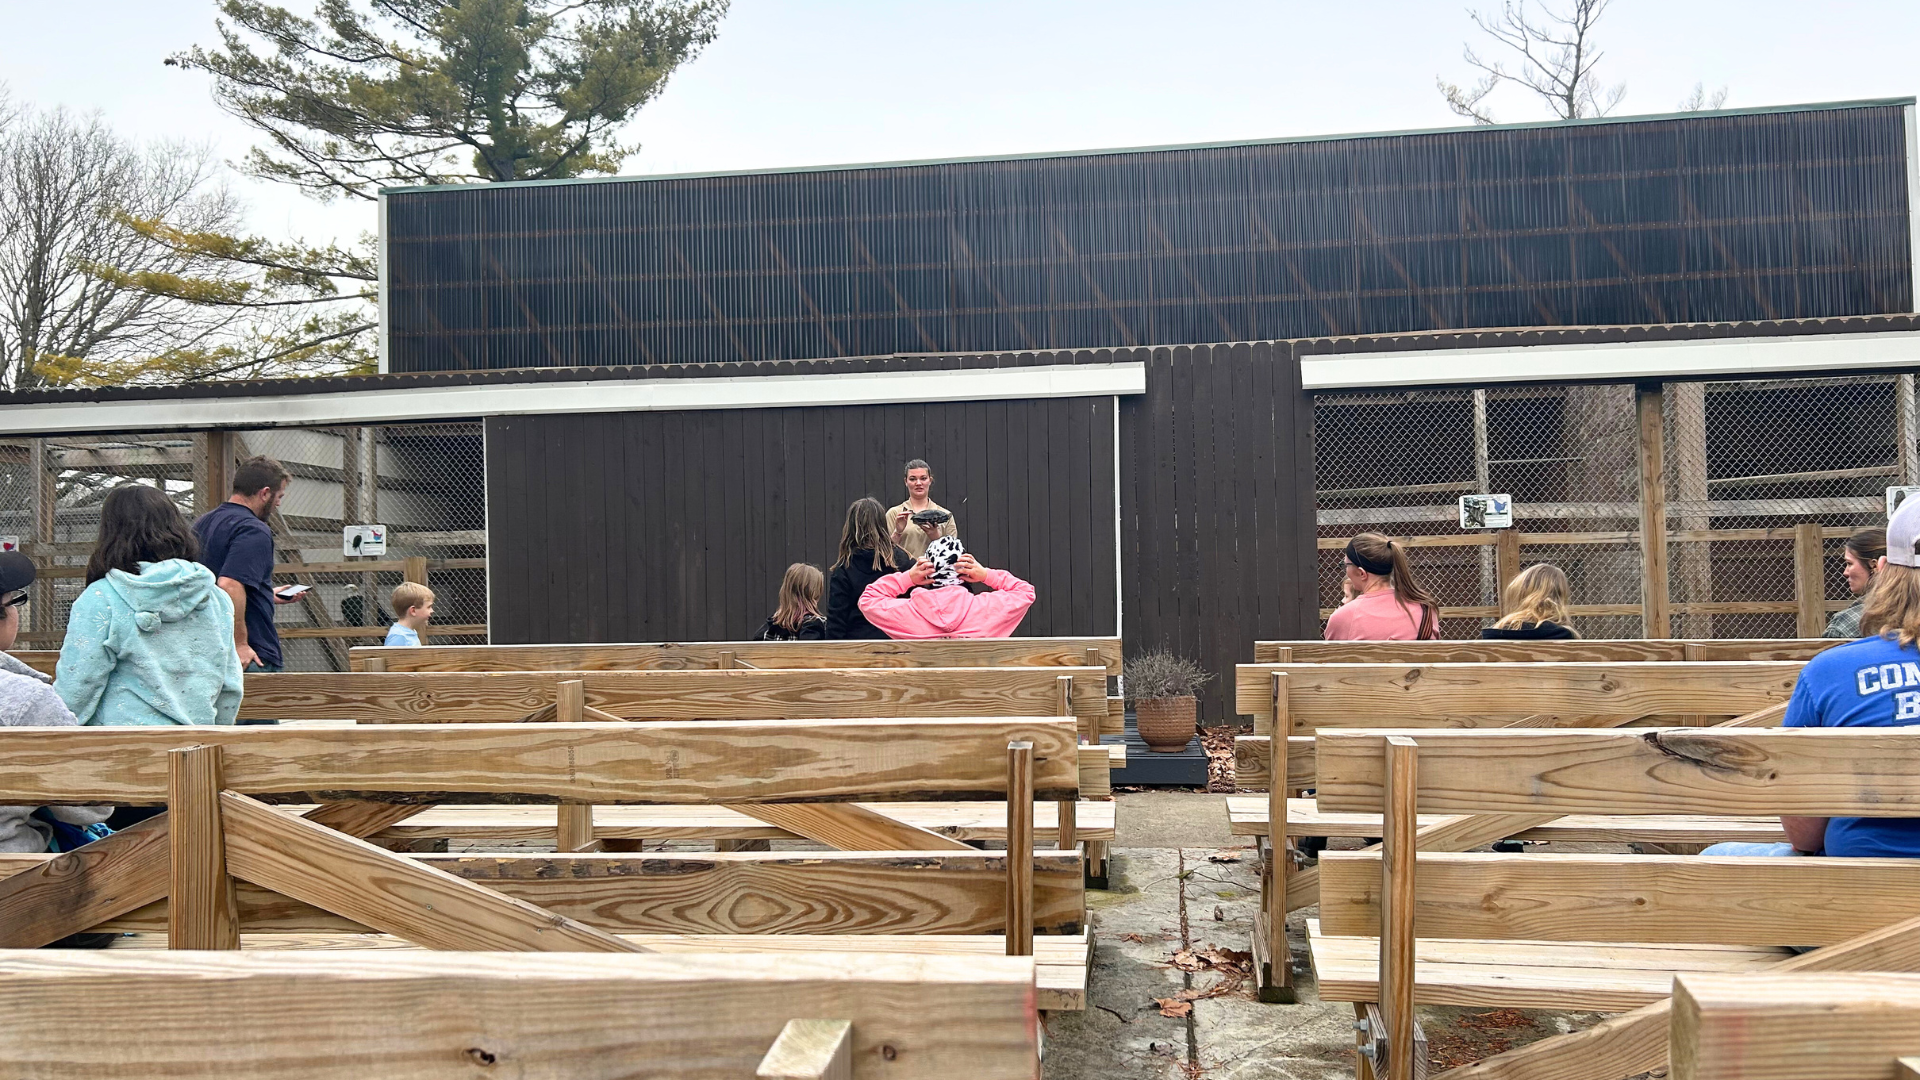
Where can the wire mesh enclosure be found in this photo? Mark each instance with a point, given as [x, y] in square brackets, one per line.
[425, 482]
[1762, 481]
[1798, 212]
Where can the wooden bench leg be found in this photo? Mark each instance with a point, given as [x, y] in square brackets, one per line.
[1272, 959]
[201, 913]
[1020, 849]
[1096, 864]
[1396, 909]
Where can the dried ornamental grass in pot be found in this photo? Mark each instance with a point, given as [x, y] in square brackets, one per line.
[1162, 688]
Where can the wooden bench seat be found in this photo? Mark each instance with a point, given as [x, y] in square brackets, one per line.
[961, 821]
[351, 1015]
[1061, 961]
[1601, 650]
[694, 655]
[1248, 817]
[1519, 974]
[1795, 1027]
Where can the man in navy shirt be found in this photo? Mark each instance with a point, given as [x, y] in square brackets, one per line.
[236, 543]
[1873, 682]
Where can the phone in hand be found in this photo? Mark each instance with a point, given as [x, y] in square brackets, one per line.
[291, 592]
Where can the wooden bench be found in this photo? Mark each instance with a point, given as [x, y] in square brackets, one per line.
[300, 876]
[676, 656]
[1601, 932]
[504, 697]
[1312, 697]
[1481, 651]
[427, 1016]
[1807, 1027]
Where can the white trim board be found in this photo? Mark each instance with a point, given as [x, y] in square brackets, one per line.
[600, 396]
[1620, 361]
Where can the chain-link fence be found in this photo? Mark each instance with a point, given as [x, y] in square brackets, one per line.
[1762, 481]
[425, 482]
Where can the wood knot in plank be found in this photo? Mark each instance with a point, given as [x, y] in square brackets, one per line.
[1712, 752]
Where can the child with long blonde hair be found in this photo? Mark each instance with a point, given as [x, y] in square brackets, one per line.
[798, 617]
[1536, 601]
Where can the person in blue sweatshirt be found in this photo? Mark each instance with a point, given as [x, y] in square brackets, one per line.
[1872, 682]
[150, 641]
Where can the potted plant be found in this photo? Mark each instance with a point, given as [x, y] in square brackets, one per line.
[1161, 688]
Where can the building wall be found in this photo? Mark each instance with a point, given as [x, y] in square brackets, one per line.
[677, 526]
[1709, 217]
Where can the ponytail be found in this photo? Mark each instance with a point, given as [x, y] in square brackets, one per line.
[1378, 555]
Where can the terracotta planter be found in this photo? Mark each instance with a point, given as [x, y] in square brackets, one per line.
[1166, 724]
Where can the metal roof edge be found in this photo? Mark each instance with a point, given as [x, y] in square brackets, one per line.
[1046, 155]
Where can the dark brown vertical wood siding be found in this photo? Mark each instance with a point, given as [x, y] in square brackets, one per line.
[664, 526]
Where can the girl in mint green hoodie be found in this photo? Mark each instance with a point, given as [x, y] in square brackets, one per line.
[150, 641]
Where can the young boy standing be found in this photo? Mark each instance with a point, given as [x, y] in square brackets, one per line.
[412, 607]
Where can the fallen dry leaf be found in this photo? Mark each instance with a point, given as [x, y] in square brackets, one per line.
[1174, 1008]
[1223, 857]
[1188, 960]
[1137, 939]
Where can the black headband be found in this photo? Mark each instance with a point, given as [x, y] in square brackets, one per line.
[1378, 569]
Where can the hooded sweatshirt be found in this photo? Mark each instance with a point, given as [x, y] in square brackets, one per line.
[951, 612]
[156, 648]
[27, 701]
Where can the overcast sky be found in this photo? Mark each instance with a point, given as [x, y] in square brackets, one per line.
[825, 81]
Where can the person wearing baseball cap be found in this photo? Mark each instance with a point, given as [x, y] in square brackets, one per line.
[1872, 682]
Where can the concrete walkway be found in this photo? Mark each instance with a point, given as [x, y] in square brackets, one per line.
[1176, 924]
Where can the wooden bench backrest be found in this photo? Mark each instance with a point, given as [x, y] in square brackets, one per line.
[680, 656]
[1482, 652]
[41, 660]
[704, 763]
[1494, 695]
[502, 697]
[1807, 1026]
[349, 1015]
[1639, 898]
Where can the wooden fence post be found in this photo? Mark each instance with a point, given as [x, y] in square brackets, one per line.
[1507, 563]
[1019, 849]
[1271, 936]
[416, 571]
[1809, 579]
[573, 830]
[1655, 623]
[200, 905]
[46, 495]
[1396, 907]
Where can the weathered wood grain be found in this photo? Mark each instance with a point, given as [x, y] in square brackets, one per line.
[1641, 898]
[352, 878]
[1807, 1027]
[810, 1050]
[957, 821]
[68, 893]
[1816, 772]
[1250, 766]
[850, 827]
[1579, 651]
[700, 655]
[1636, 1042]
[668, 763]
[200, 912]
[432, 1017]
[1247, 815]
[819, 892]
[504, 697]
[1488, 695]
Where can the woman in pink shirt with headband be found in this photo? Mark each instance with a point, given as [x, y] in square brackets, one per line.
[1387, 603]
[933, 601]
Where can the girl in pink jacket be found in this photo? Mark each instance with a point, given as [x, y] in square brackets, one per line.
[929, 600]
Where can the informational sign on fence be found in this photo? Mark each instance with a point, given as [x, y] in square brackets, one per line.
[9, 543]
[1898, 495]
[1486, 511]
[363, 540]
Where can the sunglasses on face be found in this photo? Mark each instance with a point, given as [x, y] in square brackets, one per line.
[16, 600]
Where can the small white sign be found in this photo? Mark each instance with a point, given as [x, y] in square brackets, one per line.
[1898, 495]
[9, 543]
[1486, 511]
[363, 540]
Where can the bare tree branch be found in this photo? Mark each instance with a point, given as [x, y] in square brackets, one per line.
[1556, 55]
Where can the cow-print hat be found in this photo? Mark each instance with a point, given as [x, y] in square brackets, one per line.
[943, 553]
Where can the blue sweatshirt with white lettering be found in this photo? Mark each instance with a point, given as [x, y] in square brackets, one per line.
[1873, 682]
